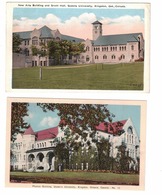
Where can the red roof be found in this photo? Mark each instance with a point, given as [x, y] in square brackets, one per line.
[47, 133]
[114, 128]
[29, 131]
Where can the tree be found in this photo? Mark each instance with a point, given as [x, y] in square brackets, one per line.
[80, 117]
[61, 49]
[54, 50]
[41, 52]
[18, 112]
[103, 150]
[16, 43]
[123, 159]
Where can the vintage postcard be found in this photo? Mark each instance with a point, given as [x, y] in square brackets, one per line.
[79, 144]
[78, 46]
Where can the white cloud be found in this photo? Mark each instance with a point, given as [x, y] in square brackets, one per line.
[127, 19]
[27, 23]
[49, 121]
[75, 26]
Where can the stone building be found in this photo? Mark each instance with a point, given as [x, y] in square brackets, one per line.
[106, 49]
[35, 151]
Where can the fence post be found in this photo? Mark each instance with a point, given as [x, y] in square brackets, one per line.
[40, 73]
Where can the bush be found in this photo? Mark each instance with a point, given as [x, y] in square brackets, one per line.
[139, 60]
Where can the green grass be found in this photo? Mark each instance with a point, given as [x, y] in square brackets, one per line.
[96, 77]
[76, 178]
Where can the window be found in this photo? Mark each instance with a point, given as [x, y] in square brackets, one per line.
[113, 57]
[96, 57]
[26, 52]
[87, 58]
[122, 56]
[104, 57]
[132, 56]
[130, 130]
[130, 135]
[132, 47]
[87, 48]
[35, 41]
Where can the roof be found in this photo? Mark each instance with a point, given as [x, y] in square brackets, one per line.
[115, 128]
[97, 22]
[120, 39]
[45, 32]
[29, 131]
[70, 38]
[24, 35]
[47, 134]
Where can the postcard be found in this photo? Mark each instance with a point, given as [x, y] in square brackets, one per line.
[75, 144]
[78, 46]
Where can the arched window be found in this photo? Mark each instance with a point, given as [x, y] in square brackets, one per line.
[132, 56]
[113, 57]
[87, 48]
[132, 47]
[130, 135]
[87, 58]
[96, 57]
[104, 57]
[130, 130]
[35, 40]
[122, 56]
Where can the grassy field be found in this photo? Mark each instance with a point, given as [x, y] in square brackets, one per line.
[96, 77]
[76, 178]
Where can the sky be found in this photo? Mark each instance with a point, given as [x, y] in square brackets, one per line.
[40, 120]
[74, 22]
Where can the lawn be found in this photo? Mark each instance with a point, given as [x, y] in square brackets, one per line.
[127, 76]
[99, 178]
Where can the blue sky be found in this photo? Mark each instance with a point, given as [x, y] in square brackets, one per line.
[64, 14]
[40, 120]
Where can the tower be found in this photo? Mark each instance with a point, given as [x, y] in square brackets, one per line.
[97, 29]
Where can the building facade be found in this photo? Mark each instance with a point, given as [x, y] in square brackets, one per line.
[35, 151]
[117, 48]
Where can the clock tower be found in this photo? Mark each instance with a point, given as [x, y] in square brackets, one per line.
[97, 29]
